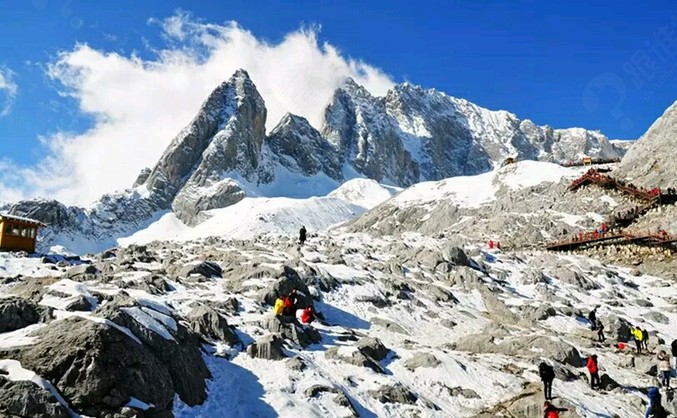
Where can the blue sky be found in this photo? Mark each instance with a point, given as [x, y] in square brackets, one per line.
[598, 65]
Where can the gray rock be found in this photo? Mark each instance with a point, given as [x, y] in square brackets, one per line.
[26, 399]
[396, 393]
[209, 323]
[372, 347]
[607, 383]
[356, 358]
[291, 330]
[466, 393]
[98, 368]
[342, 400]
[287, 280]
[80, 303]
[16, 313]
[388, 325]
[657, 317]
[82, 270]
[296, 364]
[649, 161]
[181, 355]
[269, 347]
[315, 390]
[205, 269]
[421, 360]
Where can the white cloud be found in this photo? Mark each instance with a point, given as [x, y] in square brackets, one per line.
[8, 90]
[140, 105]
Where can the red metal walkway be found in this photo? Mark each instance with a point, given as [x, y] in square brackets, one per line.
[590, 240]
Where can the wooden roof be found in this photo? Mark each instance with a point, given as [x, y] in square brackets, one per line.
[20, 219]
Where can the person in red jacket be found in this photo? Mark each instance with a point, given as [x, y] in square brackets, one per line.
[593, 368]
[551, 411]
[308, 315]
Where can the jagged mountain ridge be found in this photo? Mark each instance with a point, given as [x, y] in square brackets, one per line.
[408, 136]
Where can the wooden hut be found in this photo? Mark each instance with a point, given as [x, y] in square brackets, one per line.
[18, 234]
[587, 160]
[508, 161]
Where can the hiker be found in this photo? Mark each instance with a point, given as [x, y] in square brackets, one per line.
[308, 315]
[551, 411]
[664, 368]
[593, 368]
[638, 336]
[592, 317]
[645, 339]
[290, 303]
[655, 408]
[600, 332]
[278, 309]
[547, 374]
[302, 235]
[674, 351]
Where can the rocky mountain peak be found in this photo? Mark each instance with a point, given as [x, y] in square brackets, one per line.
[650, 161]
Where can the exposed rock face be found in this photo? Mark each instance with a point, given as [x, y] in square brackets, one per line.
[300, 148]
[98, 368]
[421, 360]
[396, 393]
[177, 348]
[26, 399]
[650, 162]
[291, 330]
[16, 313]
[206, 321]
[269, 347]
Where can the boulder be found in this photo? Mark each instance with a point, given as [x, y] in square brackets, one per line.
[174, 345]
[16, 313]
[287, 280]
[99, 367]
[79, 303]
[372, 347]
[657, 317]
[291, 330]
[297, 364]
[82, 272]
[396, 393]
[455, 256]
[574, 278]
[617, 328]
[421, 360]
[352, 355]
[207, 322]
[607, 383]
[206, 269]
[388, 325]
[269, 347]
[459, 391]
[26, 399]
[315, 390]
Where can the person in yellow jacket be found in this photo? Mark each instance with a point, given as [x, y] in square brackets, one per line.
[279, 306]
[639, 337]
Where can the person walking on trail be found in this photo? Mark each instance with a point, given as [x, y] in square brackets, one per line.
[302, 235]
[645, 339]
[638, 335]
[655, 408]
[592, 317]
[551, 411]
[664, 368]
[600, 332]
[547, 374]
[674, 351]
[593, 369]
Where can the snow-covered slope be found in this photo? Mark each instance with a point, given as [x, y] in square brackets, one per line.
[413, 326]
[254, 216]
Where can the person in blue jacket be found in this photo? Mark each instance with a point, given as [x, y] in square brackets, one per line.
[655, 408]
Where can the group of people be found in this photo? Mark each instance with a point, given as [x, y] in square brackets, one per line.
[641, 337]
[493, 244]
[287, 305]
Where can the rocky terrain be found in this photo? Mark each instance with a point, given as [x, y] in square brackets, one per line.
[411, 326]
[224, 155]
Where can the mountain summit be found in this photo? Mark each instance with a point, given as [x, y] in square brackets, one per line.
[408, 136]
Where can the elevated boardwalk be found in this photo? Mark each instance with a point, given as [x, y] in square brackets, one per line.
[593, 161]
[590, 240]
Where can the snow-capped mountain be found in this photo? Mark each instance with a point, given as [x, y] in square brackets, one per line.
[224, 155]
